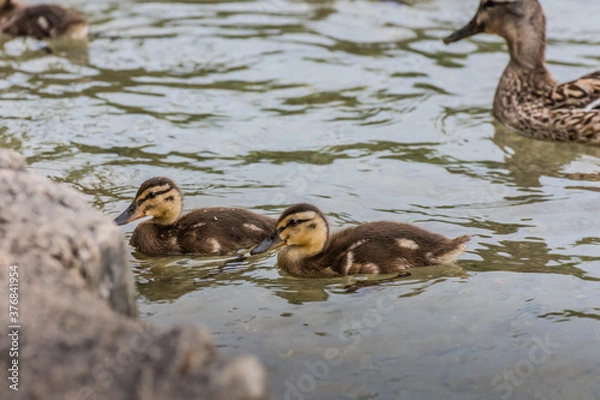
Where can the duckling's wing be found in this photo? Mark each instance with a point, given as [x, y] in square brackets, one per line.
[388, 247]
[582, 93]
[222, 230]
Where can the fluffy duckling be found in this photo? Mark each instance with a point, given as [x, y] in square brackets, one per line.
[371, 248]
[214, 231]
[528, 99]
[41, 21]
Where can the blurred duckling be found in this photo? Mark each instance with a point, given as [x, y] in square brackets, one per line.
[371, 248]
[205, 231]
[528, 99]
[41, 21]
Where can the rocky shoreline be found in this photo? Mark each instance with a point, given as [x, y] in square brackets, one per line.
[76, 326]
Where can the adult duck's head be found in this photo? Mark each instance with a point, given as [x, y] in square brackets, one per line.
[520, 22]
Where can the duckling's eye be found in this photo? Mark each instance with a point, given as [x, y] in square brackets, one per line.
[490, 4]
[151, 195]
[293, 222]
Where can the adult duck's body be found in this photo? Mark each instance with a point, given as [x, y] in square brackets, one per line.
[528, 99]
[205, 231]
[370, 248]
[41, 21]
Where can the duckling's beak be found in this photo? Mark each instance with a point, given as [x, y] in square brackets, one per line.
[131, 214]
[272, 242]
[472, 28]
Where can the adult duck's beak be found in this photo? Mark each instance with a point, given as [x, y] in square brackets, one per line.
[472, 28]
[272, 242]
[130, 214]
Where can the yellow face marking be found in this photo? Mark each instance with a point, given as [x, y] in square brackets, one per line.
[163, 202]
[305, 234]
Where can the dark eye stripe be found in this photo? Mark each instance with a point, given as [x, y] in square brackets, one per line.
[154, 194]
[288, 225]
[493, 3]
[296, 222]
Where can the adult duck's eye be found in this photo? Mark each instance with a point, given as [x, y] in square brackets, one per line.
[489, 4]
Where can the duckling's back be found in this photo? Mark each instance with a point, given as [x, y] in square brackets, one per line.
[388, 247]
[214, 231]
[222, 230]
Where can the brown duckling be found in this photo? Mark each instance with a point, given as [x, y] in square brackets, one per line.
[205, 231]
[41, 21]
[370, 248]
[528, 99]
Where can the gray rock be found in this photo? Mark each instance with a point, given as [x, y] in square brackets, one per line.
[79, 336]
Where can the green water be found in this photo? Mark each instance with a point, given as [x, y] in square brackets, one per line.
[358, 107]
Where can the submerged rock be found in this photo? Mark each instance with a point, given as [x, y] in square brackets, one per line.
[77, 335]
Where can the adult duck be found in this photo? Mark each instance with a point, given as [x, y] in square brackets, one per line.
[528, 99]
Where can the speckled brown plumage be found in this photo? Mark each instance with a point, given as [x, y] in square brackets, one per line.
[371, 248]
[528, 99]
[205, 231]
[41, 21]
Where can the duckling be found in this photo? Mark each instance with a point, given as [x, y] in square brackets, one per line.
[528, 99]
[41, 21]
[370, 248]
[214, 231]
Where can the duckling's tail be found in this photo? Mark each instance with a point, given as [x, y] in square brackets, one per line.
[449, 252]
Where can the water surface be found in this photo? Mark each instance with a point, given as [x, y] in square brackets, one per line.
[358, 107]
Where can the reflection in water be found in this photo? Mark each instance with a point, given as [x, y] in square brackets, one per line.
[567, 315]
[169, 278]
[529, 256]
[530, 160]
[22, 49]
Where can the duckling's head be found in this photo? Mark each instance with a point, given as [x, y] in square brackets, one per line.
[158, 197]
[520, 22]
[302, 228]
